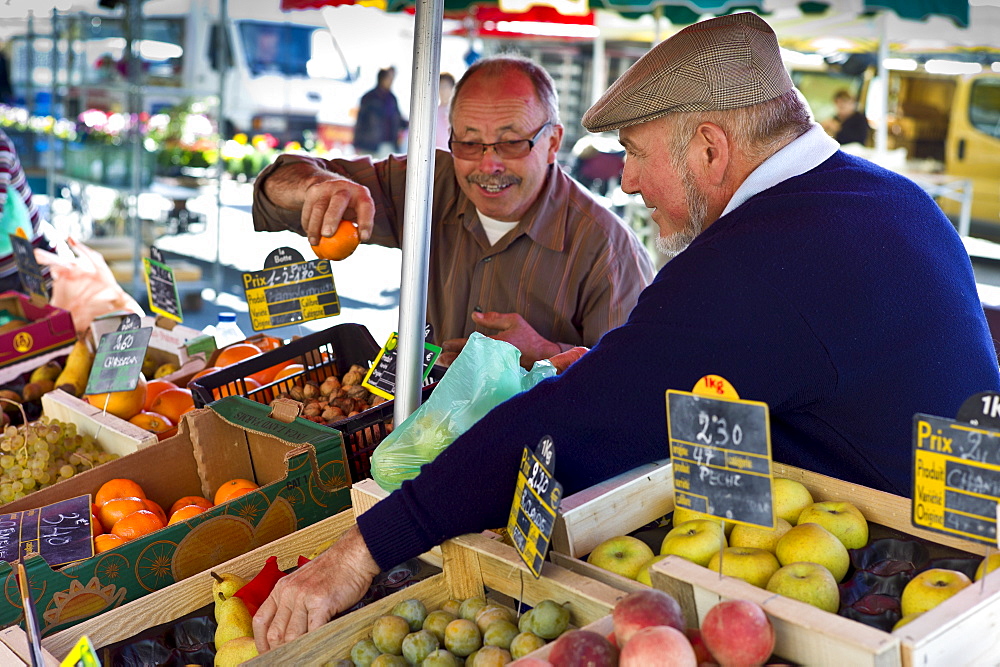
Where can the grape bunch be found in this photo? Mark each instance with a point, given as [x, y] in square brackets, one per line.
[41, 453]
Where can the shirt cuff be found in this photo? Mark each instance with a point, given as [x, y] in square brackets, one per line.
[392, 533]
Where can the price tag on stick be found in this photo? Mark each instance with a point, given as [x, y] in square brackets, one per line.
[290, 290]
[161, 287]
[536, 501]
[956, 472]
[381, 377]
[28, 269]
[59, 532]
[721, 452]
[118, 361]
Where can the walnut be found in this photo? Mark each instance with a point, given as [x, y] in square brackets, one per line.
[352, 377]
[332, 414]
[331, 385]
[310, 390]
[358, 392]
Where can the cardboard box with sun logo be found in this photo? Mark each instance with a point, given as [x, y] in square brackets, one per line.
[28, 330]
[302, 476]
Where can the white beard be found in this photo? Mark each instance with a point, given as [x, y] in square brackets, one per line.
[676, 243]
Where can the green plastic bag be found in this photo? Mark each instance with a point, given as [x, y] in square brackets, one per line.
[15, 217]
[485, 374]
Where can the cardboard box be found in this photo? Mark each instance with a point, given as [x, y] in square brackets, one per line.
[48, 328]
[112, 433]
[302, 476]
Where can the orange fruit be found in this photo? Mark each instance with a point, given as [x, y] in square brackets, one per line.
[150, 421]
[267, 375]
[237, 493]
[117, 488]
[288, 371]
[236, 352]
[117, 509]
[155, 508]
[172, 403]
[203, 372]
[95, 525]
[123, 404]
[204, 503]
[227, 488]
[344, 241]
[153, 389]
[268, 343]
[235, 389]
[136, 525]
[106, 541]
[184, 513]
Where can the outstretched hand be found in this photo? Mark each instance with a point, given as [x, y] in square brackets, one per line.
[515, 330]
[312, 595]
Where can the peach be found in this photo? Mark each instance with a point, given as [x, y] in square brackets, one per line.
[582, 647]
[738, 633]
[658, 646]
[641, 609]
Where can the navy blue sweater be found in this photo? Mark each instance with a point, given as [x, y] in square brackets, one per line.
[843, 298]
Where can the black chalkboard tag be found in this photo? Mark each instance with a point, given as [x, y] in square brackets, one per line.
[956, 471]
[721, 452]
[156, 254]
[537, 495]
[60, 533]
[161, 287]
[381, 377]
[290, 290]
[28, 269]
[128, 322]
[118, 361]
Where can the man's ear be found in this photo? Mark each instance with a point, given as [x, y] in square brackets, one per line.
[555, 141]
[712, 152]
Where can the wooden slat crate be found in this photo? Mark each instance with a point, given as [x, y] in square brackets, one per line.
[15, 649]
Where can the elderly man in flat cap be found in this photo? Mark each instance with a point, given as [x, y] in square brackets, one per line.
[830, 289]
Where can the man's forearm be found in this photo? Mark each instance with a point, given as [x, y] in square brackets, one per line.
[286, 186]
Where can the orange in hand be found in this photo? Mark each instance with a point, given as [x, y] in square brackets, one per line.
[204, 503]
[136, 525]
[339, 246]
[118, 488]
[117, 509]
[184, 513]
[224, 492]
[106, 541]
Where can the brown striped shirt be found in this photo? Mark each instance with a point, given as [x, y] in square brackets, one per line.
[570, 267]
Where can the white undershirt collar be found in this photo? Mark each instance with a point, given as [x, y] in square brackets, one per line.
[495, 229]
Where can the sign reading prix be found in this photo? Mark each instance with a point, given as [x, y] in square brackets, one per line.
[118, 361]
[721, 452]
[162, 289]
[28, 269]
[536, 501]
[381, 377]
[60, 532]
[290, 290]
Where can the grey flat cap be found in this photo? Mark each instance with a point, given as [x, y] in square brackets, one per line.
[723, 63]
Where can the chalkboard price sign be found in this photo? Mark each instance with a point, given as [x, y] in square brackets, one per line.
[721, 451]
[60, 532]
[290, 290]
[28, 269]
[381, 377]
[118, 361]
[956, 478]
[536, 501]
[162, 289]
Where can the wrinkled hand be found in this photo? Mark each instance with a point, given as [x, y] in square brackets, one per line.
[309, 597]
[515, 330]
[327, 202]
[564, 360]
[449, 350]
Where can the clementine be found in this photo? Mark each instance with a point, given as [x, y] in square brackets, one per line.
[153, 389]
[236, 352]
[237, 493]
[136, 525]
[172, 403]
[106, 541]
[344, 241]
[150, 421]
[117, 488]
[185, 513]
[267, 343]
[236, 389]
[123, 404]
[155, 508]
[117, 509]
[224, 491]
[95, 525]
[203, 372]
[204, 503]
[288, 371]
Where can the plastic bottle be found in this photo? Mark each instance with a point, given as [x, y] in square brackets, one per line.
[227, 331]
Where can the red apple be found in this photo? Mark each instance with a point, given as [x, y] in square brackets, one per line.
[738, 633]
[582, 647]
[658, 646]
[644, 608]
[698, 644]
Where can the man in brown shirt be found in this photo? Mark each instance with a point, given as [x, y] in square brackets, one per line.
[519, 250]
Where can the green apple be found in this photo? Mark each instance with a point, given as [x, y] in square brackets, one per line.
[930, 588]
[790, 498]
[988, 565]
[754, 566]
[683, 514]
[841, 518]
[695, 540]
[812, 543]
[807, 582]
[904, 620]
[644, 577]
[623, 555]
[744, 535]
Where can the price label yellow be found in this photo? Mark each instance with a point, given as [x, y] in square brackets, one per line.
[290, 292]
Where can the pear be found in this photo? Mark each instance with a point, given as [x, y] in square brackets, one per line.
[49, 371]
[235, 651]
[226, 583]
[234, 620]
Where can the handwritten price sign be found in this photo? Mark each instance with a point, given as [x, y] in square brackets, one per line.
[536, 501]
[60, 532]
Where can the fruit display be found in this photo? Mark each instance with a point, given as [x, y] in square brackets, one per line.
[333, 399]
[156, 405]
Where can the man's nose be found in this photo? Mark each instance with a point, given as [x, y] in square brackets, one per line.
[490, 161]
[630, 184]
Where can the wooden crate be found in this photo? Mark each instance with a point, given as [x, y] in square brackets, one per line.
[15, 649]
[113, 434]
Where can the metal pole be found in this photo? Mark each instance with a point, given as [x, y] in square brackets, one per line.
[55, 111]
[417, 216]
[224, 52]
[882, 126]
[29, 59]
[599, 69]
[133, 37]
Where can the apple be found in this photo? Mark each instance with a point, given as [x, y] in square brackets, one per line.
[683, 514]
[582, 647]
[644, 608]
[841, 518]
[644, 577]
[754, 566]
[812, 543]
[738, 632]
[903, 621]
[623, 555]
[658, 646]
[790, 498]
[695, 540]
[930, 588]
[808, 582]
[744, 535]
[988, 565]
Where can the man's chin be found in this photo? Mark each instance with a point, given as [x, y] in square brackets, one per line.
[673, 245]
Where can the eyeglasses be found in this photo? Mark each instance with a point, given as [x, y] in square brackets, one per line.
[508, 150]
